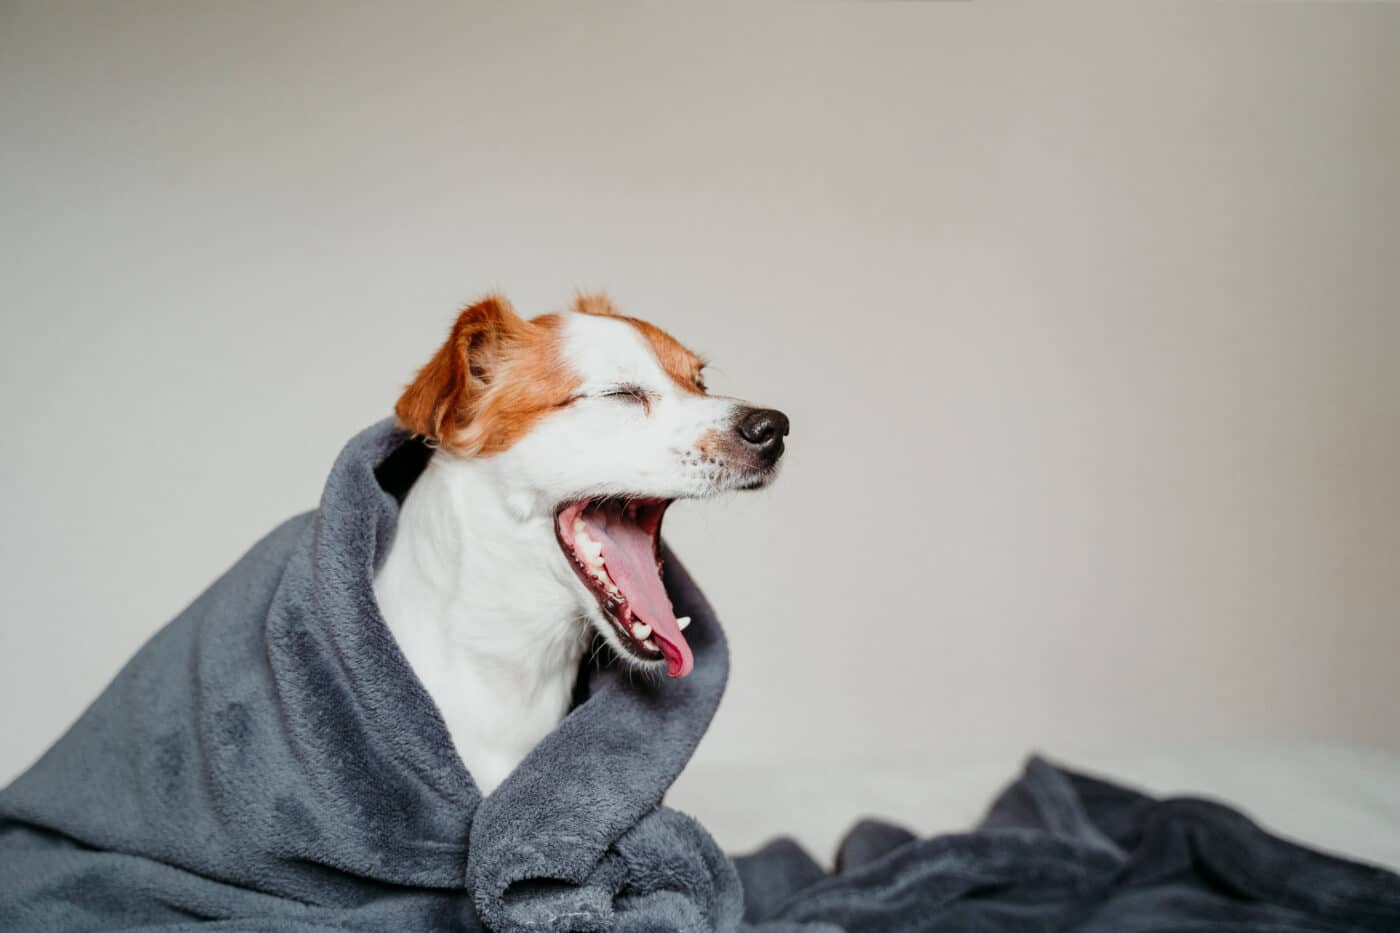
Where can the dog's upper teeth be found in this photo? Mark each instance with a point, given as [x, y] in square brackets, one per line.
[682, 622]
[579, 527]
[641, 631]
[590, 550]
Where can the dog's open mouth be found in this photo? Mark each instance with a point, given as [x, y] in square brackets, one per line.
[613, 544]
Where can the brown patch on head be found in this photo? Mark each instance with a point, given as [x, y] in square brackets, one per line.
[683, 366]
[496, 376]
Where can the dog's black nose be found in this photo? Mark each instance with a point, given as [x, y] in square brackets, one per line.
[764, 429]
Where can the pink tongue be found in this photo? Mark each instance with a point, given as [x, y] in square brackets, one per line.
[631, 562]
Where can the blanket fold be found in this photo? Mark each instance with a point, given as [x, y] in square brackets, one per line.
[1061, 851]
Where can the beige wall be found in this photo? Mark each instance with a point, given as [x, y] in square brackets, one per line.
[1087, 318]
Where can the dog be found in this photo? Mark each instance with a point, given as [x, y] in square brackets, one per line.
[560, 442]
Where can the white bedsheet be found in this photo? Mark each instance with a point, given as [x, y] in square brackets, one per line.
[1340, 799]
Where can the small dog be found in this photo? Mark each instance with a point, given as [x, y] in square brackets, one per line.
[561, 442]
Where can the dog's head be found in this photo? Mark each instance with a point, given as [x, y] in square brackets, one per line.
[592, 424]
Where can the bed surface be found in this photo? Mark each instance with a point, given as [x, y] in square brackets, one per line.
[1340, 799]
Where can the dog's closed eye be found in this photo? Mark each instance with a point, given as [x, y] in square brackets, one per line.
[626, 391]
[631, 393]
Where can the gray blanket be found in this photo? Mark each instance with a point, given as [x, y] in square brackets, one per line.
[268, 761]
[1061, 851]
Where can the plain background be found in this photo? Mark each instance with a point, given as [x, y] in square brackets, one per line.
[1085, 316]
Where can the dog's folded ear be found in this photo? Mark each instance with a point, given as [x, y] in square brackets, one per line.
[443, 399]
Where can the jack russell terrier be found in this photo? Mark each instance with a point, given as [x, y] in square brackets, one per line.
[560, 441]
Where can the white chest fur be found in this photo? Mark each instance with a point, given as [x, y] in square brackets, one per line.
[471, 590]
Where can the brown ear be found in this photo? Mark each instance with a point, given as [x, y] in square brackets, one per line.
[443, 399]
[594, 303]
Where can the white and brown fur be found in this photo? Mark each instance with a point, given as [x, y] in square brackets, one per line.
[528, 415]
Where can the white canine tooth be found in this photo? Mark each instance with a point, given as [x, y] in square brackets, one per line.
[683, 621]
[641, 631]
[579, 527]
[651, 643]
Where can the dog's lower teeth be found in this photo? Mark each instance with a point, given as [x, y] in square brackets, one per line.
[587, 553]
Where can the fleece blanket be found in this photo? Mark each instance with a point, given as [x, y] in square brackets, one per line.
[1062, 852]
[269, 762]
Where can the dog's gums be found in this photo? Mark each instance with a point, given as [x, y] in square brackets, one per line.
[613, 546]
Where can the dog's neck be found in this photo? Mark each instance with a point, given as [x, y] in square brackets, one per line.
[472, 591]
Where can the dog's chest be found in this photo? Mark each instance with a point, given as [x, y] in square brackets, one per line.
[496, 698]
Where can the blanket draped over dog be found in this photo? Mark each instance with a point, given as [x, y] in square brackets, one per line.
[268, 761]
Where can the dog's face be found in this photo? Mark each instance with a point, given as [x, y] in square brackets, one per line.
[592, 424]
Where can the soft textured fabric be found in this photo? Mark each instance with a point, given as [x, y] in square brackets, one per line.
[269, 761]
[1061, 851]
